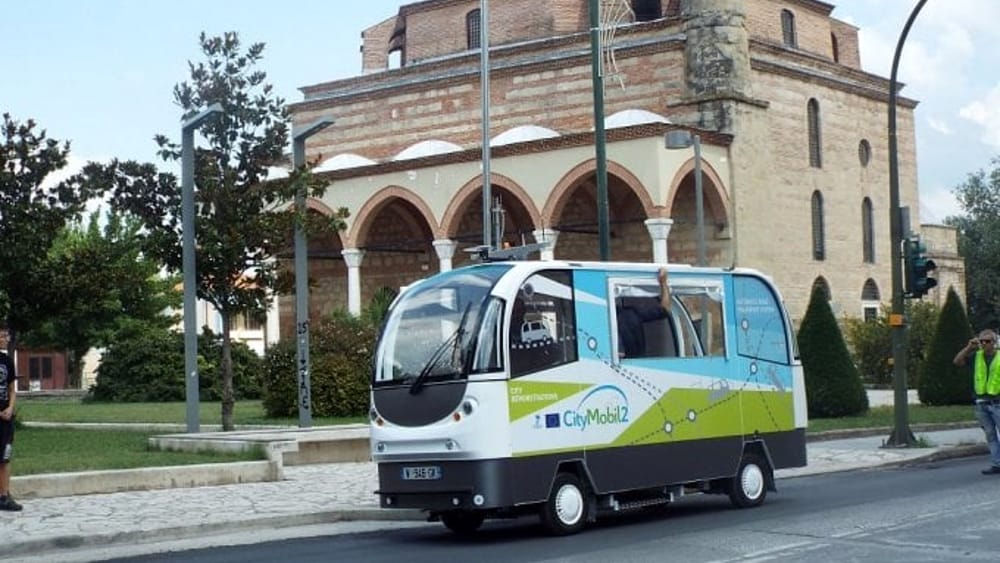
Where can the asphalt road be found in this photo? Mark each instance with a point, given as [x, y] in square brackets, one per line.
[943, 511]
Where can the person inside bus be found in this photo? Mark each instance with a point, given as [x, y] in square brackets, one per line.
[632, 320]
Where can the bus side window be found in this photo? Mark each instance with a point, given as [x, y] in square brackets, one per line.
[700, 307]
[645, 329]
[542, 331]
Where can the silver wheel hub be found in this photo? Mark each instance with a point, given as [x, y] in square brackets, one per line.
[752, 481]
[569, 504]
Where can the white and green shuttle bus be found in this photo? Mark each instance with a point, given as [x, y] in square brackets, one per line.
[566, 389]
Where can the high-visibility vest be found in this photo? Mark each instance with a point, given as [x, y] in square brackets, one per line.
[987, 379]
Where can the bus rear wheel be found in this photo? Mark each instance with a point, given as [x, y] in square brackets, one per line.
[463, 522]
[567, 508]
[749, 487]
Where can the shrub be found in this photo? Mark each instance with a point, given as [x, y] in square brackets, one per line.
[942, 382]
[833, 384]
[871, 343]
[341, 348]
[146, 364]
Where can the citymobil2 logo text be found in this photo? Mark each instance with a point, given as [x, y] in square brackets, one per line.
[602, 406]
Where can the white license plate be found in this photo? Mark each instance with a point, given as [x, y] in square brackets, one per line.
[426, 473]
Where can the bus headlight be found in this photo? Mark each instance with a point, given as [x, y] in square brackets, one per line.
[469, 406]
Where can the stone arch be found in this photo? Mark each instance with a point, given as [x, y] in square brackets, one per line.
[572, 210]
[362, 223]
[463, 219]
[560, 193]
[681, 205]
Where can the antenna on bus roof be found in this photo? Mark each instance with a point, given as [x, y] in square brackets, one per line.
[484, 253]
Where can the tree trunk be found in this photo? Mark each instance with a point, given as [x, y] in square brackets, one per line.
[75, 369]
[227, 376]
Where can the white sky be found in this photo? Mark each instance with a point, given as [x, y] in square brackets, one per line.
[100, 73]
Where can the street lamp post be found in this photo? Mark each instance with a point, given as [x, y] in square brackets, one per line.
[600, 138]
[188, 263]
[901, 435]
[682, 139]
[299, 137]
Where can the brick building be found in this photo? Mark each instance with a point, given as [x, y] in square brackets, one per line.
[792, 129]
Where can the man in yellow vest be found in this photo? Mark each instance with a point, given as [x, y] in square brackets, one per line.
[986, 383]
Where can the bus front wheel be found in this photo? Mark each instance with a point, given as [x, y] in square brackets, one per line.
[463, 522]
[749, 487]
[566, 510]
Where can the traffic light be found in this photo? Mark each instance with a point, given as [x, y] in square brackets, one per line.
[917, 268]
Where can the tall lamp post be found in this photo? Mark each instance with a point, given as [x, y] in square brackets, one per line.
[188, 262]
[299, 137]
[682, 139]
[600, 139]
[901, 435]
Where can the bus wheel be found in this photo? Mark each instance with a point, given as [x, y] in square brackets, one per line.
[566, 510]
[463, 522]
[749, 487]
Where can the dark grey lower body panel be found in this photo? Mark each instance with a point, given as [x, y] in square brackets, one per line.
[509, 482]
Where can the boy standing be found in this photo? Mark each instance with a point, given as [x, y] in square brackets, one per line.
[8, 392]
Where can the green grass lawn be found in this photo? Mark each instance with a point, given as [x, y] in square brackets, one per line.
[886, 416]
[58, 450]
[48, 409]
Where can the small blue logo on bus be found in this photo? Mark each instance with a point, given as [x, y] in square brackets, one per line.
[604, 405]
[552, 420]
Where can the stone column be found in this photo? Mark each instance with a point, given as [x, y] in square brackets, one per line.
[548, 236]
[445, 249]
[659, 230]
[353, 257]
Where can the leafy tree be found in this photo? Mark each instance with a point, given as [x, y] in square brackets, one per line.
[145, 363]
[942, 382]
[108, 282]
[32, 213]
[241, 223]
[833, 384]
[979, 243]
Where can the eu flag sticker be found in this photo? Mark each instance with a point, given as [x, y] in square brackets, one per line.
[552, 420]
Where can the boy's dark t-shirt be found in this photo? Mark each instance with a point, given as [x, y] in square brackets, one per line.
[6, 379]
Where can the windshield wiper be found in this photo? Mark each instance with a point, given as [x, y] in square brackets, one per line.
[449, 344]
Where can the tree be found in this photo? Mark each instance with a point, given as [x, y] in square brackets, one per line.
[833, 384]
[941, 381]
[979, 243]
[242, 222]
[32, 213]
[108, 282]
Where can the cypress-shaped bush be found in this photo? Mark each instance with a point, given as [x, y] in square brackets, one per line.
[833, 384]
[941, 381]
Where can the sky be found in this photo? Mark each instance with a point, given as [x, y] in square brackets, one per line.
[100, 73]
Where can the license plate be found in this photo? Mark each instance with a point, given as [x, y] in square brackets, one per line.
[426, 473]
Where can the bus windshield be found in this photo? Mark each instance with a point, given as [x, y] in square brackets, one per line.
[442, 328]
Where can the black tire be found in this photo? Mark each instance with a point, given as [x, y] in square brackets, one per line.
[568, 507]
[749, 487]
[463, 522]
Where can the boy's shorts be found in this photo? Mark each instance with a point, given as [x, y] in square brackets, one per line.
[6, 440]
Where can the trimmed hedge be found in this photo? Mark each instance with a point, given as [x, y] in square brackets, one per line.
[341, 349]
[833, 384]
[941, 381]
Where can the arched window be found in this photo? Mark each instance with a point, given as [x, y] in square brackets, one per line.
[864, 152]
[836, 48]
[473, 29]
[870, 297]
[867, 231]
[815, 135]
[818, 234]
[788, 28]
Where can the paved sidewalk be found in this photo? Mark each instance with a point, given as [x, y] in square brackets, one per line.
[314, 494]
